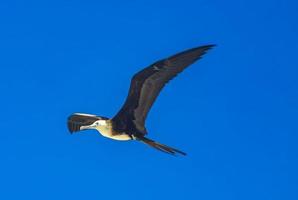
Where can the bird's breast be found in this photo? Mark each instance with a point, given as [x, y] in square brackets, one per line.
[108, 132]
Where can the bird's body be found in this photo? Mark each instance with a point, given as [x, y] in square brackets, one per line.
[108, 131]
[103, 125]
[129, 122]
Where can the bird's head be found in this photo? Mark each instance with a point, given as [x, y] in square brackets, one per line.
[81, 121]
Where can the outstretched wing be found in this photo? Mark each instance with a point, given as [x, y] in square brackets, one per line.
[147, 84]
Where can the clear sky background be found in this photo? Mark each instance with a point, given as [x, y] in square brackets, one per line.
[235, 112]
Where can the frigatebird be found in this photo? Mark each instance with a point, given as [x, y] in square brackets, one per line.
[129, 122]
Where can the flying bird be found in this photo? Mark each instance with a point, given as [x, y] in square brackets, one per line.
[129, 122]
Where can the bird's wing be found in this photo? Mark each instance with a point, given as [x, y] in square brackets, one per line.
[147, 84]
[76, 120]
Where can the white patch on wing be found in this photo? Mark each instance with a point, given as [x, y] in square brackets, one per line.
[85, 114]
[155, 68]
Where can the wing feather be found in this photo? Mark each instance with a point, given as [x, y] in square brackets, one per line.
[146, 85]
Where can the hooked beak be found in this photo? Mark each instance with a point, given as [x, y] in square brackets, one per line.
[87, 127]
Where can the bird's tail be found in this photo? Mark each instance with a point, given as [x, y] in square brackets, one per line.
[160, 147]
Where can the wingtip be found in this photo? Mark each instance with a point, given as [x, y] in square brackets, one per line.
[208, 46]
[203, 48]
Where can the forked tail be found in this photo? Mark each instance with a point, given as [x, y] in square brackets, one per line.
[160, 147]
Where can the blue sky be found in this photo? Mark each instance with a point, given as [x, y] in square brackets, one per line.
[234, 112]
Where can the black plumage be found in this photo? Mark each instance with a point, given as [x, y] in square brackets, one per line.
[129, 122]
[147, 84]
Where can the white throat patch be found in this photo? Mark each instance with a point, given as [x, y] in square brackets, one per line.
[100, 123]
[96, 124]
